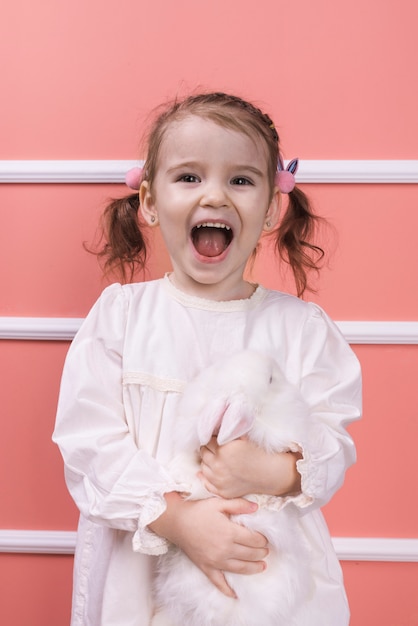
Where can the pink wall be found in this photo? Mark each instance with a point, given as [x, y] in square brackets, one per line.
[80, 78]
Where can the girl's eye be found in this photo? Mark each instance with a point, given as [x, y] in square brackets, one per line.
[188, 178]
[241, 180]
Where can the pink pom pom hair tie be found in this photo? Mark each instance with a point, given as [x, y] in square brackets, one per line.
[285, 178]
[133, 178]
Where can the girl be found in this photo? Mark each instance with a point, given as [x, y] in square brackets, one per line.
[212, 181]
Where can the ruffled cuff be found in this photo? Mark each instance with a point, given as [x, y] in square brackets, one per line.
[311, 484]
[277, 503]
[144, 539]
[311, 480]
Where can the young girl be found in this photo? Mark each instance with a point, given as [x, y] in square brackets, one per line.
[213, 181]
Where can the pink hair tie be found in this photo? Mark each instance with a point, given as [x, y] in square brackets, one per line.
[285, 178]
[133, 178]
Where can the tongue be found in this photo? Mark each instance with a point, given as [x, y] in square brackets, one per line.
[209, 241]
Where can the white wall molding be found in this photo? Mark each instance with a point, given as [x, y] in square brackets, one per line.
[376, 549]
[37, 541]
[373, 332]
[64, 329]
[358, 171]
[113, 171]
[39, 328]
[64, 171]
[347, 548]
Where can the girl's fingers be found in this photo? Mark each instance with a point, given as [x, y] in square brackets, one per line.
[218, 579]
[212, 445]
[237, 506]
[207, 485]
[241, 506]
[245, 567]
[249, 554]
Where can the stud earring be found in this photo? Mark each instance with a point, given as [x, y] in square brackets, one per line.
[268, 224]
[152, 219]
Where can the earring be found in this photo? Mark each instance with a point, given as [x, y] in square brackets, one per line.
[152, 219]
[268, 224]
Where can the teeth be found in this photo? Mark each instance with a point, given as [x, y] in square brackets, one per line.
[213, 225]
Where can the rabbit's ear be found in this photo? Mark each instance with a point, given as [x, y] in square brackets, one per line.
[237, 421]
[210, 419]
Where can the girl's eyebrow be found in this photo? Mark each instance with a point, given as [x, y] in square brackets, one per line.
[183, 164]
[250, 168]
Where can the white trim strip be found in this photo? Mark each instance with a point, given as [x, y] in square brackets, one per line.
[347, 548]
[64, 329]
[39, 328]
[358, 171]
[380, 332]
[64, 171]
[113, 171]
[376, 549]
[38, 541]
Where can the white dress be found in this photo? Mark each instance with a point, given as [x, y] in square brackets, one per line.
[122, 380]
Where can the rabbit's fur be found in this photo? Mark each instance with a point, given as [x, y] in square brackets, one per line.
[246, 394]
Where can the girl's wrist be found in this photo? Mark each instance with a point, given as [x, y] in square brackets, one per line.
[295, 483]
[282, 477]
[165, 525]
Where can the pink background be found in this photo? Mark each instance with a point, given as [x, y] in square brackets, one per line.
[78, 81]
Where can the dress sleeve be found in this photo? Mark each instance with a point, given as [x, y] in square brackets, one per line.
[112, 481]
[331, 385]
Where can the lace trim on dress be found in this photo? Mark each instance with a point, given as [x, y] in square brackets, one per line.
[226, 306]
[277, 503]
[144, 540]
[311, 483]
[155, 382]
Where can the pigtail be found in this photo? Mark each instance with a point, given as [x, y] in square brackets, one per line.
[124, 250]
[294, 239]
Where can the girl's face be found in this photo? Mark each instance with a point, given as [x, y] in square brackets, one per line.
[212, 200]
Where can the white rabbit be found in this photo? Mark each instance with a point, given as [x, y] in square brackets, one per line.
[247, 394]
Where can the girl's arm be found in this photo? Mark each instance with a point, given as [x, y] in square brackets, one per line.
[329, 378]
[203, 530]
[117, 484]
[240, 468]
[112, 480]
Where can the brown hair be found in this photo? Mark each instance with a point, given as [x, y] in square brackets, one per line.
[125, 247]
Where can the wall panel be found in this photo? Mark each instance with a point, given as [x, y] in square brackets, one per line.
[79, 82]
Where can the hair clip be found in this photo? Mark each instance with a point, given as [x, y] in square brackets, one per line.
[285, 178]
[133, 178]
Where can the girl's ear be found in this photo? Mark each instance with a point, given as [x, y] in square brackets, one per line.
[147, 204]
[273, 213]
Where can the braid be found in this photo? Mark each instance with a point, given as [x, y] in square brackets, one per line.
[223, 99]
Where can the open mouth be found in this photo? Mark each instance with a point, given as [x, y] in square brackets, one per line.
[211, 239]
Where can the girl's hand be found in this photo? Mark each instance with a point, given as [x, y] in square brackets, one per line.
[204, 531]
[240, 468]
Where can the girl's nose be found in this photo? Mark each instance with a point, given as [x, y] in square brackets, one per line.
[214, 195]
